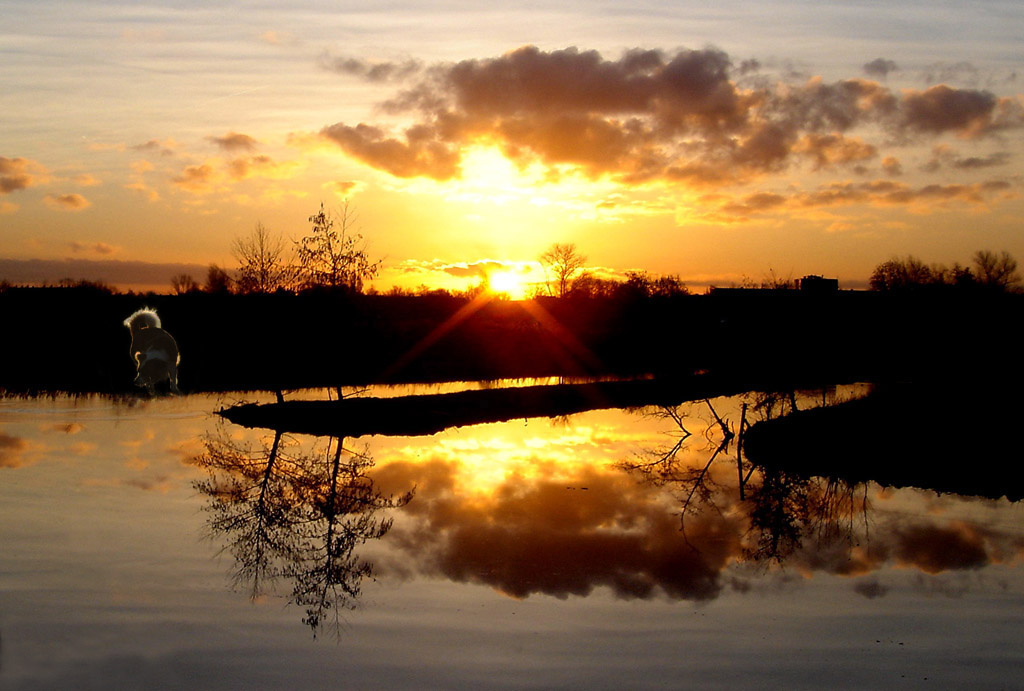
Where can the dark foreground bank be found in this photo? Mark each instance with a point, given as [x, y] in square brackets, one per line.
[73, 339]
[960, 438]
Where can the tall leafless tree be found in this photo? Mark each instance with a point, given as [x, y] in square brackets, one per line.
[217, 280]
[262, 264]
[183, 283]
[562, 264]
[997, 270]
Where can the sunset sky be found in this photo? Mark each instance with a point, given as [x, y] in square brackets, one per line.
[138, 140]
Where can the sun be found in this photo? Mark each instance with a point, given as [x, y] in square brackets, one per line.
[508, 283]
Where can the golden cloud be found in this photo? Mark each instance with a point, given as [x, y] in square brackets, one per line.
[197, 179]
[163, 148]
[261, 166]
[67, 202]
[20, 173]
[651, 116]
[877, 193]
[86, 180]
[234, 141]
[101, 248]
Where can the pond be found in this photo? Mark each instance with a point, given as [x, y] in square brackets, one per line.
[147, 543]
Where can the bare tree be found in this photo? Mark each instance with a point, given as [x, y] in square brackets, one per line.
[997, 271]
[217, 280]
[262, 265]
[333, 255]
[565, 263]
[900, 274]
[183, 283]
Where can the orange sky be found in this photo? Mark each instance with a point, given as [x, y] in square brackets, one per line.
[138, 142]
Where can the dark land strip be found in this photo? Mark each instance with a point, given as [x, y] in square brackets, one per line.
[960, 438]
[65, 340]
[429, 414]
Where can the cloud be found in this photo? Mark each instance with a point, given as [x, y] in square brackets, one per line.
[943, 156]
[67, 202]
[278, 38]
[942, 108]
[135, 275]
[827, 150]
[875, 193]
[261, 166]
[417, 154]
[93, 247]
[86, 180]
[7, 207]
[892, 166]
[20, 173]
[142, 188]
[345, 188]
[956, 72]
[999, 158]
[235, 141]
[651, 116]
[880, 67]
[164, 148]
[480, 269]
[371, 71]
[476, 269]
[197, 179]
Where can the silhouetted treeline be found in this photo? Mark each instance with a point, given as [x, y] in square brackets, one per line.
[73, 339]
[991, 272]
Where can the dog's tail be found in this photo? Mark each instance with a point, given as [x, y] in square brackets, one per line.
[143, 319]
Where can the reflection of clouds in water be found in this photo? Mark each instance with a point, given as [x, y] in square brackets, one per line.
[13, 451]
[82, 449]
[152, 450]
[547, 536]
[66, 428]
[565, 530]
[870, 588]
[935, 549]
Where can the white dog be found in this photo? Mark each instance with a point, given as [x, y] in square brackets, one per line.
[153, 351]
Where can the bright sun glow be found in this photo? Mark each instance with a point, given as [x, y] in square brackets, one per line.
[510, 283]
[486, 168]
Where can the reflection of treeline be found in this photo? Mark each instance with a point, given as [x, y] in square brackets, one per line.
[72, 338]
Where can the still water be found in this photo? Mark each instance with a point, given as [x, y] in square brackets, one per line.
[148, 544]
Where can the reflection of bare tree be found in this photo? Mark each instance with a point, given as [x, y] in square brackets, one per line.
[783, 510]
[663, 466]
[786, 509]
[340, 508]
[778, 509]
[295, 516]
